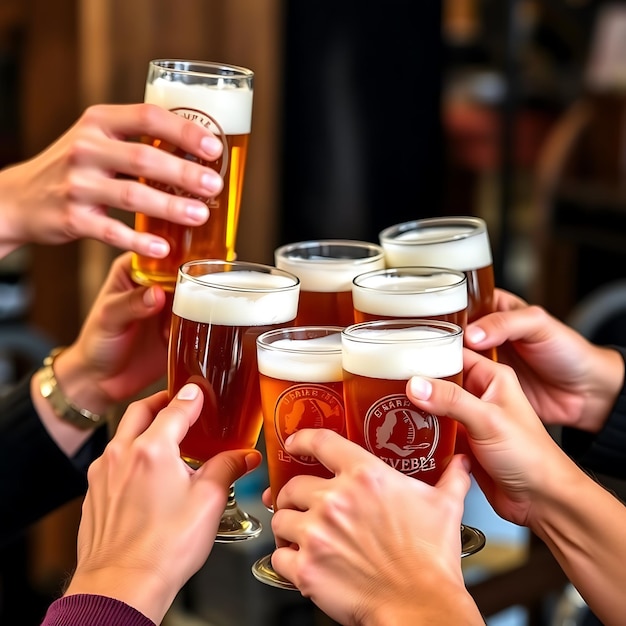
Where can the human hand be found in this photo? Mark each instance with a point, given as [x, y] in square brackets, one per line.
[149, 521]
[568, 380]
[371, 545]
[530, 481]
[122, 345]
[516, 460]
[64, 192]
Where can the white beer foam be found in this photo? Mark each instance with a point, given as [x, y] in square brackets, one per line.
[227, 305]
[324, 274]
[316, 360]
[410, 296]
[231, 106]
[398, 354]
[425, 246]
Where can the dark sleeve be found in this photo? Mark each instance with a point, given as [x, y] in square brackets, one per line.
[603, 452]
[82, 609]
[36, 477]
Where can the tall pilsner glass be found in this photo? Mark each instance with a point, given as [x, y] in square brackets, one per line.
[301, 387]
[219, 310]
[458, 242]
[326, 269]
[378, 359]
[218, 97]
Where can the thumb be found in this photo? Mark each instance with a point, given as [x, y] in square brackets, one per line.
[455, 479]
[227, 467]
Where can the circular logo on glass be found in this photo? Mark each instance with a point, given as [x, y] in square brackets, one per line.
[308, 406]
[402, 435]
[221, 164]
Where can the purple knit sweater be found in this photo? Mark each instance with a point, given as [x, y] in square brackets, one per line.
[91, 610]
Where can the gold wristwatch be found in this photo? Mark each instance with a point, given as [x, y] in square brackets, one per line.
[62, 406]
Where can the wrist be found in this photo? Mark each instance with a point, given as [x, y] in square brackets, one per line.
[56, 401]
[605, 387]
[141, 590]
[440, 601]
[74, 379]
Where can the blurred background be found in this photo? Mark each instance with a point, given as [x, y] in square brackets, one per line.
[365, 114]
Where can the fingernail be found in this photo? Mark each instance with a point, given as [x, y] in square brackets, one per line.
[149, 299]
[158, 248]
[289, 440]
[197, 212]
[475, 334]
[211, 182]
[420, 388]
[188, 392]
[211, 146]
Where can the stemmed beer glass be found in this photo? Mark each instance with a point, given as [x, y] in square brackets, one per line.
[219, 309]
[378, 359]
[301, 387]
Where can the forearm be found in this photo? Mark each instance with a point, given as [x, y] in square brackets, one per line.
[606, 380]
[47, 477]
[583, 525]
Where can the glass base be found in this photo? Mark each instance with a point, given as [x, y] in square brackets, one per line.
[236, 524]
[472, 541]
[263, 571]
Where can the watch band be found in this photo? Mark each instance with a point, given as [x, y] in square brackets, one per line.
[62, 406]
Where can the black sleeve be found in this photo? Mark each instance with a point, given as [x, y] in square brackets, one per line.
[605, 451]
[36, 477]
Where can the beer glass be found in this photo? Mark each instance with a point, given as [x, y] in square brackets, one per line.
[326, 269]
[400, 292]
[301, 387]
[378, 358]
[460, 243]
[219, 309]
[218, 97]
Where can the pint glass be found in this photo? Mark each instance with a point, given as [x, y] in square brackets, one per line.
[378, 359]
[219, 309]
[301, 387]
[326, 269]
[401, 292]
[460, 243]
[219, 97]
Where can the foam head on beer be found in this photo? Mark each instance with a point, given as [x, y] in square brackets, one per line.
[227, 103]
[410, 292]
[315, 360]
[400, 353]
[330, 265]
[459, 244]
[238, 298]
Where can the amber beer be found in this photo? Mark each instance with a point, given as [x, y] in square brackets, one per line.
[326, 269]
[301, 387]
[218, 97]
[378, 359]
[218, 312]
[426, 292]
